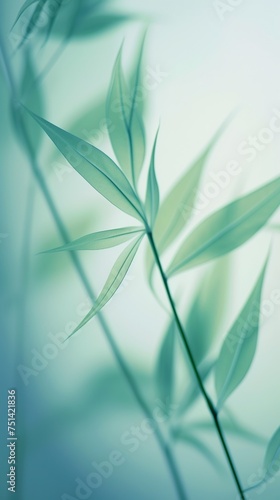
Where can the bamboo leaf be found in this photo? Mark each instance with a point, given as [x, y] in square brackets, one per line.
[228, 228]
[95, 167]
[114, 280]
[31, 96]
[193, 391]
[206, 312]
[272, 456]
[239, 347]
[99, 240]
[127, 133]
[176, 209]
[165, 364]
[152, 194]
[24, 7]
[33, 22]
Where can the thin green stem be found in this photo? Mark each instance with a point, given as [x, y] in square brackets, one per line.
[208, 401]
[77, 264]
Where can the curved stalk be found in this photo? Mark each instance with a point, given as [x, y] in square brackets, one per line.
[208, 401]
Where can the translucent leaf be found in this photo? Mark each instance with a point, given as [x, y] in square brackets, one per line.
[127, 133]
[31, 96]
[33, 22]
[95, 167]
[114, 280]
[228, 228]
[239, 347]
[272, 456]
[193, 392]
[24, 7]
[176, 209]
[207, 311]
[52, 18]
[152, 194]
[99, 240]
[165, 364]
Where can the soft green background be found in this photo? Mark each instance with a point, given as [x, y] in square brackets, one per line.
[77, 408]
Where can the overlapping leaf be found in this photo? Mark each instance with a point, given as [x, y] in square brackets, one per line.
[177, 208]
[239, 347]
[165, 364]
[152, 193]
[114, 280]
[228, 228]
[272, 456]
[127, 132]
[100, 240]
[95, 167]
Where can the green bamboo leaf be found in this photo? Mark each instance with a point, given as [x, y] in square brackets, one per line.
[239, 347]
[33, 22]
[152, 194]
[24, 7]
[165, 364]
[176, 209]
[272, 456]
[127, 133]
[95, 167]
[228, 228]
[114, 280]
[52, 18]
[207, 310]
[99, 240]
[32, 98]
[192, 393]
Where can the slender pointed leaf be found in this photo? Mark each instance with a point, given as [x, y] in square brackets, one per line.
[31, 96]
[206, 312]
[33, 22]
[114, 280]
[228, 228]
[152, 194]
[239, 347]
[176, 209]
[99, 240]
[24, 7]
[95, 167]
[127, 133]
[193, 392]
[165, 364]
[52, 18]
[272, 456]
